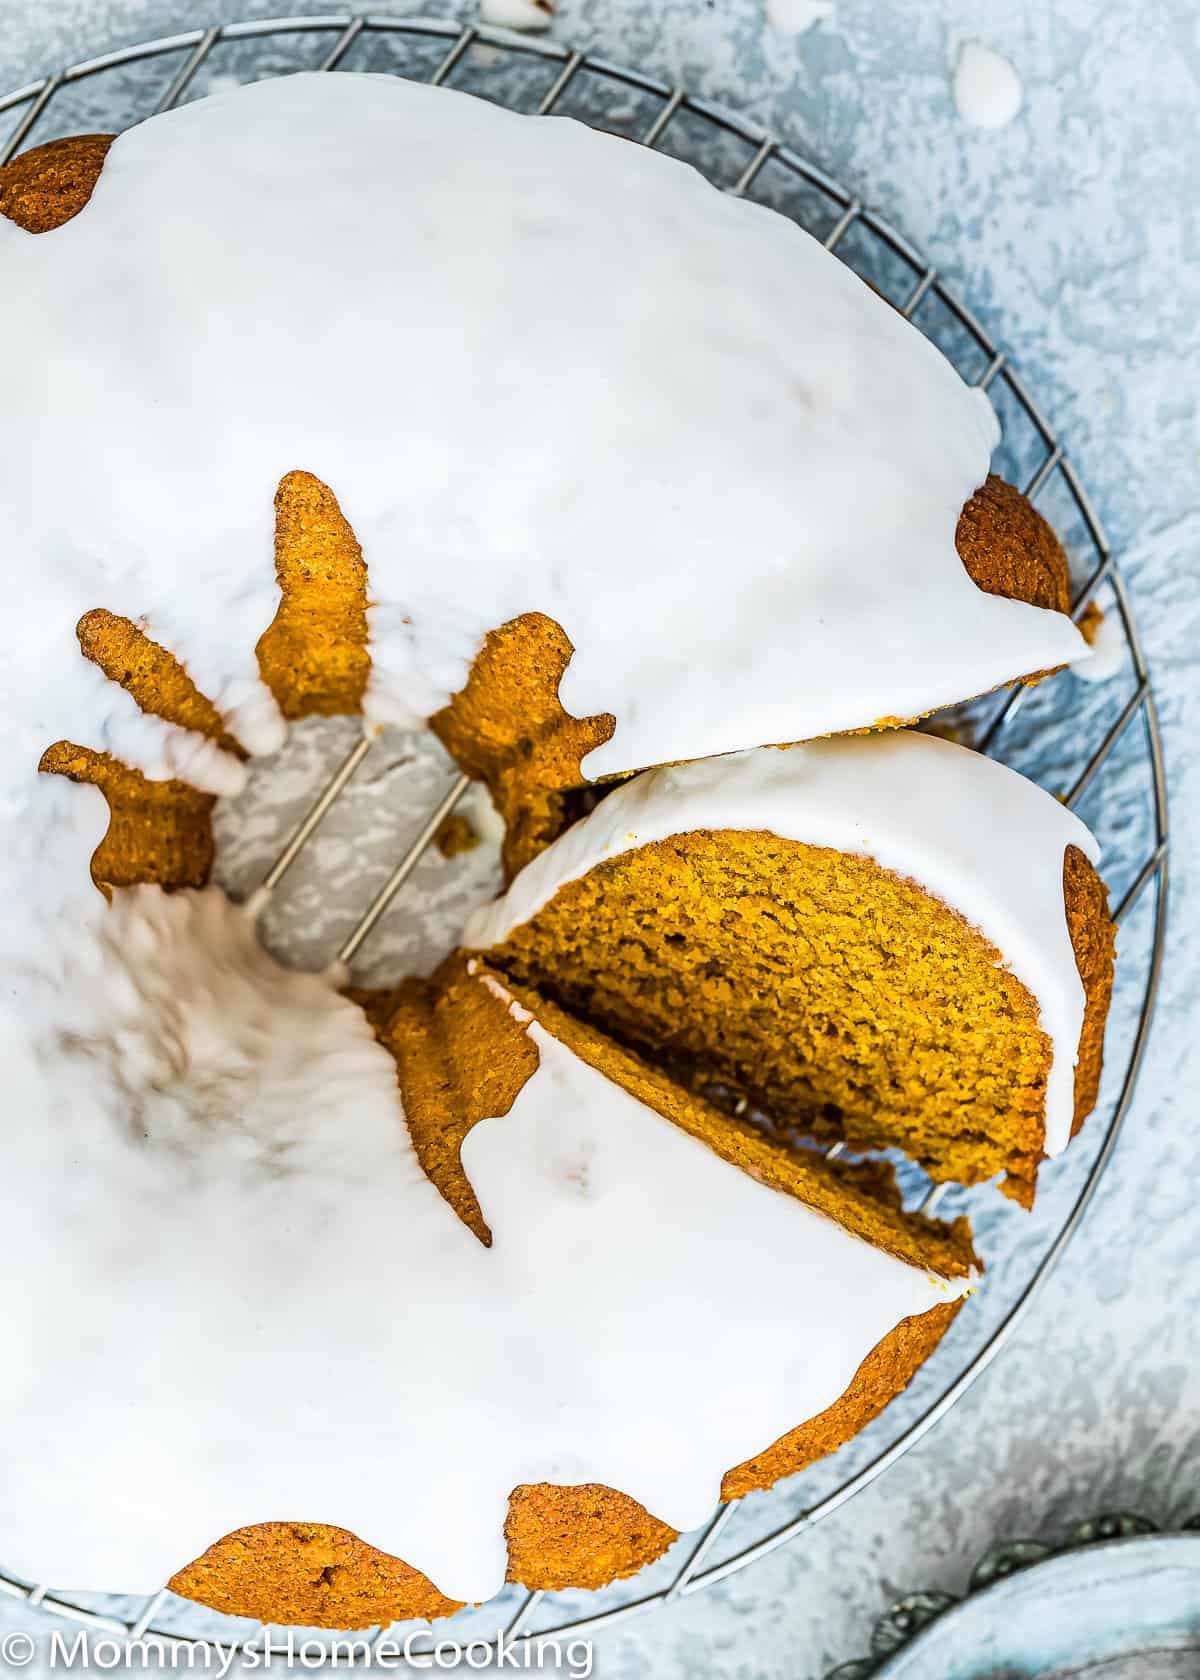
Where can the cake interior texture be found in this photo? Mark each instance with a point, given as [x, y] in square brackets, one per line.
[688, 977]
[843, 1001]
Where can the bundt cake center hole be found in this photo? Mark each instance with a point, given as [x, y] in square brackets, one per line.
[366, 831]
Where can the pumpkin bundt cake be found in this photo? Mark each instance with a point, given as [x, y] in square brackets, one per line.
[582, 520]
[883, 940]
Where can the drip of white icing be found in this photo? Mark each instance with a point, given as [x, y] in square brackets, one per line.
[517, 14]
[987, 90]
[1106, 653]
[970, 831]
[233, 1296]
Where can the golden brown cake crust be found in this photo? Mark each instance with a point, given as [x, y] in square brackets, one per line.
[1093, 939]
[508, 728]
[44, 187]
[1009, 549]
[308, 1575]
[313, 656]
[455, 836]
[459, 1057]
[159, 832]
[151, 675]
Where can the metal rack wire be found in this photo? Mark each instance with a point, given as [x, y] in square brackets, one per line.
[741, 156]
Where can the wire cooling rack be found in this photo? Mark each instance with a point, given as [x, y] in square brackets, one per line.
[1097, 746]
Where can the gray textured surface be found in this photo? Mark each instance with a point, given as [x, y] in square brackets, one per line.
[1074, 234]
[1095, 1611]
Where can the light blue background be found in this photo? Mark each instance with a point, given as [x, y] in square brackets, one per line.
[1074, 234]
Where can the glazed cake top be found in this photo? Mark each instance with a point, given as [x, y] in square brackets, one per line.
[543, 370]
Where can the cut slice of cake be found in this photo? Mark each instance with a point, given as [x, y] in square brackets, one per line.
[890, 940]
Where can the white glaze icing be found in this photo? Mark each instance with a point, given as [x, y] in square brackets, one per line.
[987, 90]
[970, 831]
[1107, 651]
[231, 1294]
[744, 448]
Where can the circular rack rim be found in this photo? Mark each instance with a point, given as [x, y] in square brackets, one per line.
[195, 46]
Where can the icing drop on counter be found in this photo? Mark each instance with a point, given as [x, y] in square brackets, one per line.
[987, 90]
